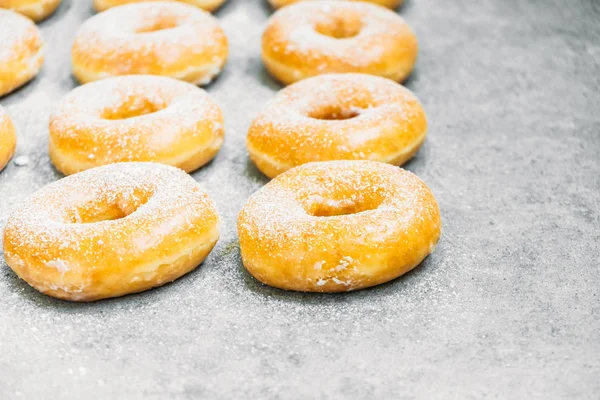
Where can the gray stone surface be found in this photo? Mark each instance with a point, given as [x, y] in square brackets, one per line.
[507, 307]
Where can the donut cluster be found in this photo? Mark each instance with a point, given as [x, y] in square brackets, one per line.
[338, 215]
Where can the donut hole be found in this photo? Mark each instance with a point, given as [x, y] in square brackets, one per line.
[101, 209]
[158, 25]
[321, 207]
[339, 26]
[110, 214]
[132, 108]
[335, 113]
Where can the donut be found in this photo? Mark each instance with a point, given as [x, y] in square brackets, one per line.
[110, 231]
[337, 226]
[319, 37]
[385, 3]
[156, 38]
[37, 10]
[208, 5]
[337, 117]
[8, 138]
[21, 51]
[135, 118]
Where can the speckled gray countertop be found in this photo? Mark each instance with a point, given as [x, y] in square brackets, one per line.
[507, 307]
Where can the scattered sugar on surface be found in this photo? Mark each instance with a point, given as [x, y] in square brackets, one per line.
[21, 161]
[219, 301]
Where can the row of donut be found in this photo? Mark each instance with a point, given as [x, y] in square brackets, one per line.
[127, 227]
[153, 118]
[324, 226]
[184, 42]
[38, 10]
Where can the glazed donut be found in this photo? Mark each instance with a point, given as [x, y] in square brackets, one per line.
[208, 5]
[21, 51]
[8, 138]
[135, 118]
[157, 38]
[338, 226]
[385, 3]
[110, 231]
[37, 10]
[337, 117]
[318, 37]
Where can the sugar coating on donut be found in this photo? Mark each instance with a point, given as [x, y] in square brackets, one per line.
[91, 222]
[338, 225]
[310, 38]
[385, 3]
[339, 116]
[8, 138]
[133, 118]
[16, 35]
[34, 9]
[207, 5]
[21, 51]
[159, 38]
[55, 209]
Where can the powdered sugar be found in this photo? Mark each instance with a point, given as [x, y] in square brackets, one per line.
[59, 218]
[21, 161]
[339, 116]
[336, 223]
[332, 36]
[59, 264]
[159, 38]
[385, 3]
[133, 118]
[92, 221]
[21, 50]
[207, 5]
[16, 33]
[34, 9]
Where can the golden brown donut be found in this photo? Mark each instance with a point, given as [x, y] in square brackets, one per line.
[8, 138]
[319, 37]
[337, 226]
[37, 10]
[337, 117]
[156, 38]
[110, 231]
[21, 51]
[135, 118]
[208, 5]
[385, 3]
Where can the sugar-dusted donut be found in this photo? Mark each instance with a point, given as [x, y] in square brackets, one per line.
[337, 226]
[135, 118]
[8, 138]
[318, 37]
[110, 231]
[208, 5]
[158, 38]
[21, 51]
[337, 117]
[385, 3]
[37, 10]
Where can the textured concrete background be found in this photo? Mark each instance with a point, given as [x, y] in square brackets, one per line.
[507, 307]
